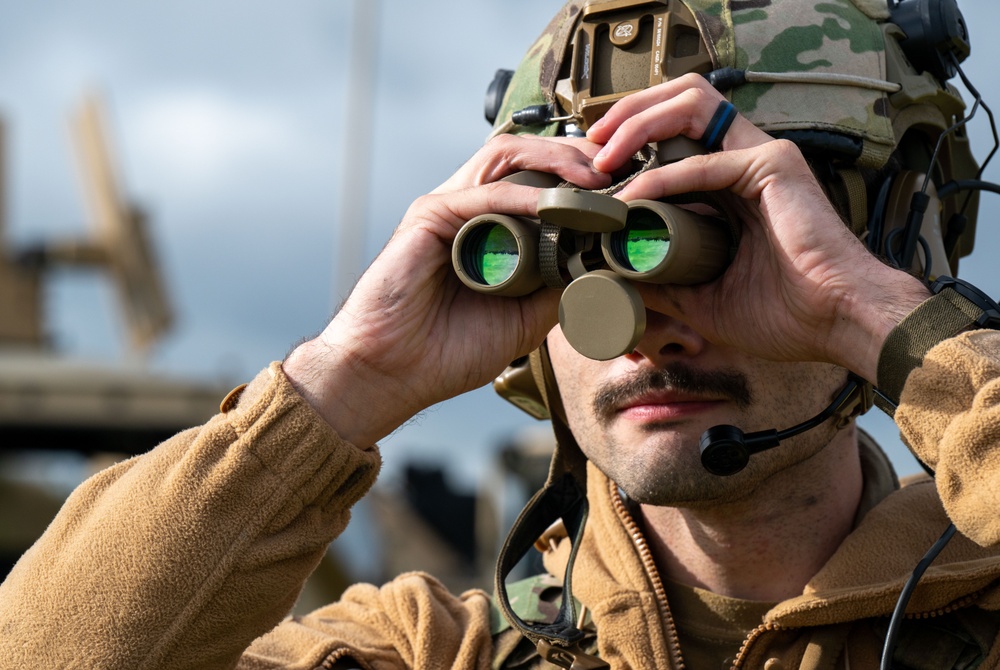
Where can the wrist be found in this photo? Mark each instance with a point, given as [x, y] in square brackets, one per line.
[889, 296]
[956, 306]
[352, 398]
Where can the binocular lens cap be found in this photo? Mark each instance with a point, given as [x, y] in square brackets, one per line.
[602, 315]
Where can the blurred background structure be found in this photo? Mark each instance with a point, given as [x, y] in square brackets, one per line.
[240, 131]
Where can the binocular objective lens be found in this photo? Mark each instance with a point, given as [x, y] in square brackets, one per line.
[644, 242]
[492, 254]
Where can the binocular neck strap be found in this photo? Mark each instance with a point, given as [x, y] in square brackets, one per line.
[645, 159]
[564, 497]
[558, 642]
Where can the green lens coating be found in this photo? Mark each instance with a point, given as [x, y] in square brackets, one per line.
[494, 254]
[645, 241]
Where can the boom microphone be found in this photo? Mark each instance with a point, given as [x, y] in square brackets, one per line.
[725, 449]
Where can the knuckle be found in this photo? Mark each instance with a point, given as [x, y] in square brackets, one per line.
[785, 150]
[634, 125]
[700, 93]
[497, 157]
[500, 143]
[497, 196]
[693, 80]
[501, 149]
[700, 162]
[425, 203]
[696, 101]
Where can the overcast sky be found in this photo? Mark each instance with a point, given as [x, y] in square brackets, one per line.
[229, 119]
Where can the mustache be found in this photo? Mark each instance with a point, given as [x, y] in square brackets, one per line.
[727, 384]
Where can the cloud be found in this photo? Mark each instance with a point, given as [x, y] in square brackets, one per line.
[198, 140]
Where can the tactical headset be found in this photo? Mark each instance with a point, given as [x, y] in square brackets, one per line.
[910, 164]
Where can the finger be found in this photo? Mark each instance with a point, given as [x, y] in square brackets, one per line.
[539, 314]
[635, 103]
[745, 172]
[569, 158]
[662, 114]
[445, 213]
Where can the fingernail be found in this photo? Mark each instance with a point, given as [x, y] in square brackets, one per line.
[597, 124]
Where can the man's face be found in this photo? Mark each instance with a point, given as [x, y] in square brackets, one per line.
[639, 417]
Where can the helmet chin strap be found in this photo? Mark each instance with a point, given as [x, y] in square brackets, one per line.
[561, 499]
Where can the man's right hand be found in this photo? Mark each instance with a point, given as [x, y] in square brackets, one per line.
[410, 334]
[801, 287]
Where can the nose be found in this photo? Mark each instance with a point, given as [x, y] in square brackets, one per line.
[666, 339]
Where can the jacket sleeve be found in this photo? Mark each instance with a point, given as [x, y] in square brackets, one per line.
[411, 622]
[180, 557]
[949, 415]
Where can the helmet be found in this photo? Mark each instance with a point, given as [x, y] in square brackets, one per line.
[858, 85]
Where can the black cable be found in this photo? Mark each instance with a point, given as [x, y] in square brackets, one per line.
[889, 402]
[850, 387]
[913, 221]
[890, 255]
[928, 261]
[886, 399]
[957, 223]
[926, 468]
[989, 114]
[899, 613]
[978, 102]
[956, 186]
[877, 220]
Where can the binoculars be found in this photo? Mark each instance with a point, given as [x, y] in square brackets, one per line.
[592, 246]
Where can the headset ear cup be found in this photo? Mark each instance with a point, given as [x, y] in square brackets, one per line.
[936, 35]
[897, 209]
[530, 384]
[518, 385]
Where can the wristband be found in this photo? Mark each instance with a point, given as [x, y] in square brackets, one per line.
[956, 306]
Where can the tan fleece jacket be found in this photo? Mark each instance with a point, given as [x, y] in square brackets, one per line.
[181, 557]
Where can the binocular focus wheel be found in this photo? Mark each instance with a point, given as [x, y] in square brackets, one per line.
[584, 211]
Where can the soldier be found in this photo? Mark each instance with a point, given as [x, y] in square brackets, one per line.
[189, 556]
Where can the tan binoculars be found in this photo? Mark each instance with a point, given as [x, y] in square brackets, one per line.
[592, 245]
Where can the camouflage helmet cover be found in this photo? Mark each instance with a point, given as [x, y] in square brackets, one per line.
[834, 66]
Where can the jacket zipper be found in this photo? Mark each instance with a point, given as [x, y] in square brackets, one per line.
[751, 638]
[961, 603]
[673, 645]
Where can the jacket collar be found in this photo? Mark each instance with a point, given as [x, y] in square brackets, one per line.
[894, 529]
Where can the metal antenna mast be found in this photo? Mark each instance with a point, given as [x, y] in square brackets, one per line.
[357, 143]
